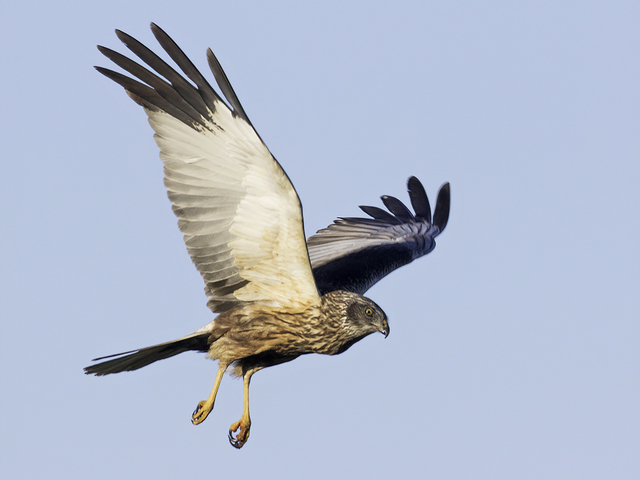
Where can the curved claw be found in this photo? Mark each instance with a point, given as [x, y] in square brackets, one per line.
[201, 412]
[204, 407]
[239, 439]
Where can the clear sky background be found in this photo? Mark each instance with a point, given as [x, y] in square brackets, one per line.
[513, 351]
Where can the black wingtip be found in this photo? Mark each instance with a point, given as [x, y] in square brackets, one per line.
[121, 35]
[443, 205]
[225, 85]
[159, 33]
[419, 199]
[380, 214]
[398, 208]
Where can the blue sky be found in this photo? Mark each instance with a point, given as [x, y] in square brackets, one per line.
[514, 345]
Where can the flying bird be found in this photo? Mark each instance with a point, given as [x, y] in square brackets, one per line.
[277, 296]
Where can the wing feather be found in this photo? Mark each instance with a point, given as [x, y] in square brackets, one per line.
[240, 215]
[354, 253]
[398, 208]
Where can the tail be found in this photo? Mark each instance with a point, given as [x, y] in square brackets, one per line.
[135, 359]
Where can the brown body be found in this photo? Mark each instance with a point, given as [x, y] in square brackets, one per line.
[254, 336]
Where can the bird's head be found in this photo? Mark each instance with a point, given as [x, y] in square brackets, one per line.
[358, 315]
[365, 316]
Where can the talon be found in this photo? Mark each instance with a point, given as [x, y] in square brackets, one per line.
[200, 413]
[241, 438]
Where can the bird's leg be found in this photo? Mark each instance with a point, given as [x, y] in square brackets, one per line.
[244, 424]
[205, 406]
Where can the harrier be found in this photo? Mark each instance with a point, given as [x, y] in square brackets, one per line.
[277, 296]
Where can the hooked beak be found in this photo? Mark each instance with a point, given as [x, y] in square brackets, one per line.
[383, 328]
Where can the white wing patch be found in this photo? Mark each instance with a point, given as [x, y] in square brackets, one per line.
[240, 215]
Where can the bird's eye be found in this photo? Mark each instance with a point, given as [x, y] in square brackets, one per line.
[368, 312]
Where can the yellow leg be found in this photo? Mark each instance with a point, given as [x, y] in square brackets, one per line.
[244, 424]
[205, 406]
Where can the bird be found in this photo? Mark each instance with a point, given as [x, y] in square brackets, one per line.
[277, 296]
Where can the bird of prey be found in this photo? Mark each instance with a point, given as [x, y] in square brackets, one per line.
[277, 296]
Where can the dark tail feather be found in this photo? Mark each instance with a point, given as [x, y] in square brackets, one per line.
[136, 359]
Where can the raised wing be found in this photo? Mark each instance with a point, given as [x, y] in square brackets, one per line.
[354, 253]
[240, 215]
